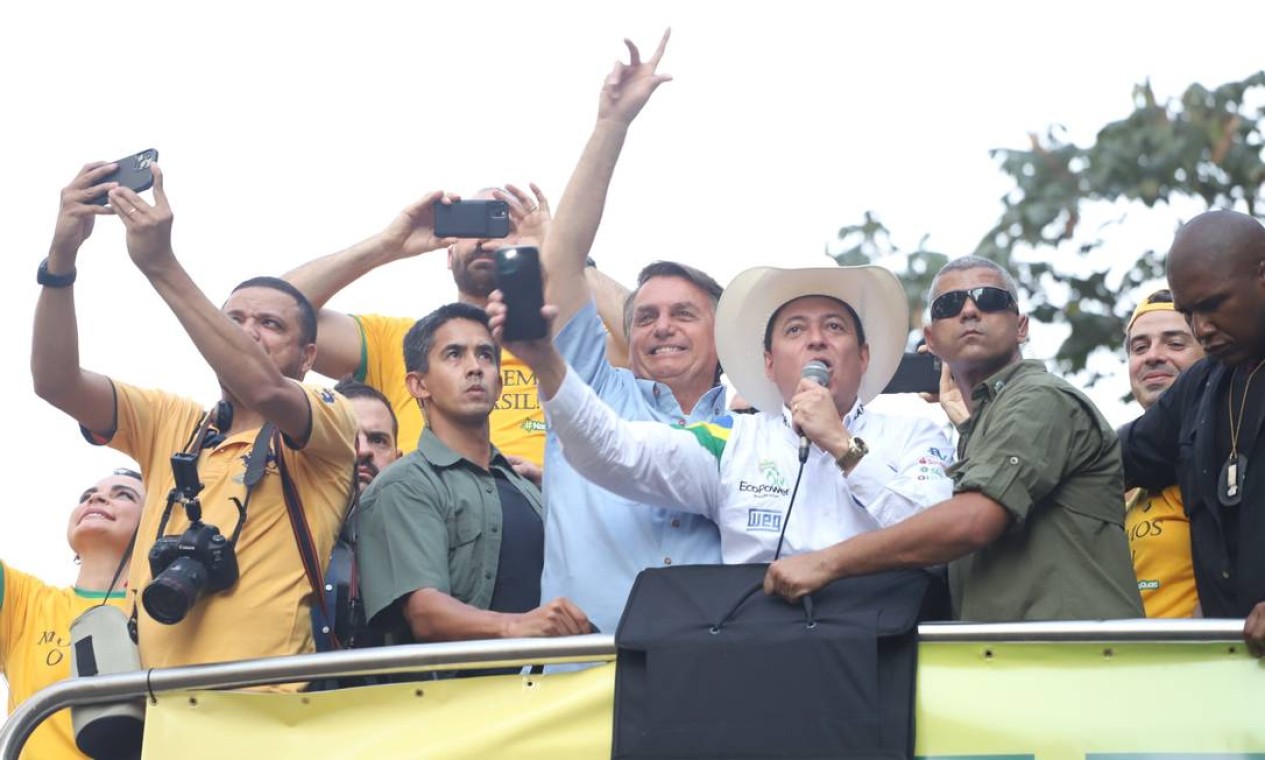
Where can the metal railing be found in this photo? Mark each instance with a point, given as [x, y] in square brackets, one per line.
[591, 648]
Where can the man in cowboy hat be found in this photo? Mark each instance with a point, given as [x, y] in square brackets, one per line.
[860, 471]
[1034, 530]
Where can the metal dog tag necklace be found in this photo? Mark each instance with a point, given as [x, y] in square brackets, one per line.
[1230, 492]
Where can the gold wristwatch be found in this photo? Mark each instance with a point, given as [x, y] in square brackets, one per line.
[852, 455]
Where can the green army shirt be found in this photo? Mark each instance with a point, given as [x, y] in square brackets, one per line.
[1042, 450]
[432, 520]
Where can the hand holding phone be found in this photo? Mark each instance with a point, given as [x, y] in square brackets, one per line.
[477, 218]
[133, 172]
[518, 278]
[918, 372]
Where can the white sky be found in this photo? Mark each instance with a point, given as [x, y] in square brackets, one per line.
[289, 130]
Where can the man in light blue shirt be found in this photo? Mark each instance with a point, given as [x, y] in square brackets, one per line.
[594, 544]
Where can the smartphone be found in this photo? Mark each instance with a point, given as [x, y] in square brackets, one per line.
[917, 373]
[133, 171]
[487, 219]
[518, 278]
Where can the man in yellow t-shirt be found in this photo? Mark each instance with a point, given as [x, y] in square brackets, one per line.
[1160, 346]
[371, 348]
[35, 617]
[260, 344]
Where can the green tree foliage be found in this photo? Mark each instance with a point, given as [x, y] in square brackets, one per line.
[1205, 146]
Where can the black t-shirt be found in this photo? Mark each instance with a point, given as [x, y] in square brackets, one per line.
[522, 553]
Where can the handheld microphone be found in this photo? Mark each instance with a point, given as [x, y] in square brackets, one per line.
[819, 373]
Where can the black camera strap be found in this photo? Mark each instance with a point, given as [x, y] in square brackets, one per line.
[312, 565]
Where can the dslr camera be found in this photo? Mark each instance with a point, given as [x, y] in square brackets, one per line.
[200, 560]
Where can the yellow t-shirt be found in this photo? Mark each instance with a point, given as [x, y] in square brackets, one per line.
[517, 423]
[35, 623]
[267, 612]
[1159, 542]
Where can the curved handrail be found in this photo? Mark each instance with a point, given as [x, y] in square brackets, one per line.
[508, 652]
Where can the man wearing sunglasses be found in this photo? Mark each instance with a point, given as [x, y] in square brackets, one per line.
[1034, 530]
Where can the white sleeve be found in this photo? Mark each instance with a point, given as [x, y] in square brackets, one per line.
[649, 462]
[915, 479]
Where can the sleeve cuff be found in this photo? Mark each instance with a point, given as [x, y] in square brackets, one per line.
[1002, 485]
[570, 396]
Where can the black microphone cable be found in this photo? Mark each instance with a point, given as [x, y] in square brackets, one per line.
[781, 536]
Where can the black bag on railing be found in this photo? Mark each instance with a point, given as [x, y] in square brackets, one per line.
[711, 667]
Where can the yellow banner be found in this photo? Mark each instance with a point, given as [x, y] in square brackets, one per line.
[1133, 701]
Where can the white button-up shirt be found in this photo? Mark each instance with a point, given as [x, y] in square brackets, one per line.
[739, 471]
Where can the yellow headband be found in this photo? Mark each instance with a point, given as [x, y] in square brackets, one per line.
[1144, 308]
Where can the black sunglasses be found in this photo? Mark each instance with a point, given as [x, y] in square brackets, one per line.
[987, 299]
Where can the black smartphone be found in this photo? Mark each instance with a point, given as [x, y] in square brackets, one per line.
[133, 171]
[478, 218]
[917, 373]
[518, 278]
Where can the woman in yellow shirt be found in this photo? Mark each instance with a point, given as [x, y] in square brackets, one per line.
[35, 617]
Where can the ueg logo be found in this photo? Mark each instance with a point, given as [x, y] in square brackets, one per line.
[774, 484]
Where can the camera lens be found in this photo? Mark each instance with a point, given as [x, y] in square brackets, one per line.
[170, 596]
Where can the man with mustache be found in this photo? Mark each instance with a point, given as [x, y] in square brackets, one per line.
[1160, 346]
[376, 430]
[1208, 430]
[451, 540]
[1034, 529]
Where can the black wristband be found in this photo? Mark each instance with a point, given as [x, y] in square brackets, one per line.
[50, 280]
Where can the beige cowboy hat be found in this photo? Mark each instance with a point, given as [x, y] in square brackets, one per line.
[750, 301]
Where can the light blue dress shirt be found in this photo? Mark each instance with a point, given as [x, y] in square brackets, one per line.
[597, 542]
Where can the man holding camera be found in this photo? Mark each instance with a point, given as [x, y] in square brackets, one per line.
[367, 346]
[227, 581]
[451, 539]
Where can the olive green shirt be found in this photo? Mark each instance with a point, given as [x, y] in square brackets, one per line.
[1042, 450]
[432, 520]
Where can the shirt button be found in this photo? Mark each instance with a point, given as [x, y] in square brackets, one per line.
[1014, 460]
[680, 420]
[488, 576]
[676, 523]
[488, 489]
[1225, 574]
[667, 560]
[495, 529]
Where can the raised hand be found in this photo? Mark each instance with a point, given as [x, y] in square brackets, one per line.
[76, 215]
[148, 226]
[531, 216]
[949, 396]
[541, 355]
[631, 84]
[412, 232]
